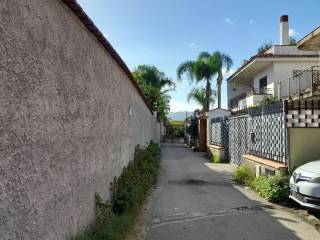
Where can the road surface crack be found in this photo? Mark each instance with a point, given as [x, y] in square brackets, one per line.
[226, 212]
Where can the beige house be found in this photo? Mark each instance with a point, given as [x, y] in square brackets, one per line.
[272, 73]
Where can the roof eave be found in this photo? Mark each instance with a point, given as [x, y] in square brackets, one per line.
[268, 58]
[311, 42]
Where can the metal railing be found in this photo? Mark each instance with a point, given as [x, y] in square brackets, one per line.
[301, 83]
[234, 101]
[262, 91]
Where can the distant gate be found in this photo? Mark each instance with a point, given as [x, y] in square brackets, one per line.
[174, 133]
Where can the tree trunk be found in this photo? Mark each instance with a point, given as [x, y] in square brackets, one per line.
[219, 83]
[208, 93]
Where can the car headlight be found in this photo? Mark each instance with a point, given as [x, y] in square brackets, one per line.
[315, 180]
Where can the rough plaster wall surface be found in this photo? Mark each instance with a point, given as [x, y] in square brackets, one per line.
[65, 126]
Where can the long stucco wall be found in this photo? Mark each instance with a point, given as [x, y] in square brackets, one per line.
[66, 128]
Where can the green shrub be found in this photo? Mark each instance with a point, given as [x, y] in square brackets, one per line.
[129, 190]
[112, 228]
[243, 174]
[273, 188]
[131, 187]
[215, 158]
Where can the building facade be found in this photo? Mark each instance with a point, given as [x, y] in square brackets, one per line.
[272, 74]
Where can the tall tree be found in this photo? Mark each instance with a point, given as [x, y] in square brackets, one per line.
[150, 75]
[204, 68]
[221, 61]
[155, 86]
[199, 96]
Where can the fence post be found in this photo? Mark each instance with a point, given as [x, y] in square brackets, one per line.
[311, 81]
[289, 87]
[299, 86]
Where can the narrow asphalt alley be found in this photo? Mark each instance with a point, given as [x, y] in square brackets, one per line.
[194, 201]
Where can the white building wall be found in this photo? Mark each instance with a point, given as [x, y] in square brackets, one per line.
[284, 70]
[235, 90]
[279, 71]
[269, 72]
[289, 50]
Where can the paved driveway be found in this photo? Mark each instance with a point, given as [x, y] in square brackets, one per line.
[196, 200]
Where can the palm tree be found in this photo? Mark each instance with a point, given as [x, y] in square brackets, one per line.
[199, 96]
[150, 75]
[203, 69]
[221, 61]
[155, 86]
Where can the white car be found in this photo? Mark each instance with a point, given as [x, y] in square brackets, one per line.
[305, 185]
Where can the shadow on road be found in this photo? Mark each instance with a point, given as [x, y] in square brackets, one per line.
[192, 201]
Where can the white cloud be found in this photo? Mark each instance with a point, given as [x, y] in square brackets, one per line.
[292, 32]
[190, 44]
[252, 22]
[229, 21]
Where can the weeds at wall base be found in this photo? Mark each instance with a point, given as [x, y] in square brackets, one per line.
[215, 158]
[272, 188]
[129, 191]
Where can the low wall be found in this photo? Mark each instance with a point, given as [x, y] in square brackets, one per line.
[218, 154]
[70, 118]
[263, 166]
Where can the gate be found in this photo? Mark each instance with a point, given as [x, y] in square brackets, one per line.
[174, 133]
[267, 129]
[237, 138]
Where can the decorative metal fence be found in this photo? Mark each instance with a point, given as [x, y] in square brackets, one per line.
[260, 131]
[219, 132]
[238, 135]
[267, 132]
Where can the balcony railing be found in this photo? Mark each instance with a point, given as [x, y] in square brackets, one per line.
[303, 83]
[262, 91]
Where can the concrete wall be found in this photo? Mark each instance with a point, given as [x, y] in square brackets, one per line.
[65, 125]
[216, 153]
[289, 50]
[303, 146]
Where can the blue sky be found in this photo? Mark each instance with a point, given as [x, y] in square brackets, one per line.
[165, 33]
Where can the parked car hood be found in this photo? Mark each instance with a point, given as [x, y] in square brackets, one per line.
[313, 167]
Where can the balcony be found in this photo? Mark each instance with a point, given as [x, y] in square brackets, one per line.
[251, 98]
[302, 84]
